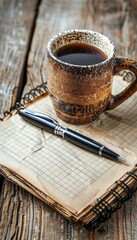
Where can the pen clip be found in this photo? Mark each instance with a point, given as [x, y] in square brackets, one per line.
[47, 118]
[39, 115]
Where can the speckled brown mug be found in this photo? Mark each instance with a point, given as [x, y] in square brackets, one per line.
[81, 93]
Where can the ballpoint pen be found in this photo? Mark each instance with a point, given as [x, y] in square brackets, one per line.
[51, 125]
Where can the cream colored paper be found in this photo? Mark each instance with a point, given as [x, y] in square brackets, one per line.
[68, 175]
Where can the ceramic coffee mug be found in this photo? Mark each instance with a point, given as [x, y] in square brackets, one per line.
[80, 93]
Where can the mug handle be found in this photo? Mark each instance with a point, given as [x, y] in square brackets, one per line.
[123, 64]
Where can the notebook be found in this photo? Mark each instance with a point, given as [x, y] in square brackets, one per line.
[84, 187]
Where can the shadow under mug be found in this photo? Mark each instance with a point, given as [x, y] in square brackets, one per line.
[81, 93]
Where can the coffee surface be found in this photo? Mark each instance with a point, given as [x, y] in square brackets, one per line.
[80, 54]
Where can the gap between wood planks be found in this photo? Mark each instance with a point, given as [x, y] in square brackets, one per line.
[24, 69]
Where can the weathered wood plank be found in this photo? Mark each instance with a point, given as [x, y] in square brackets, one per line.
[23, 216]
[16, 23]
[33, 218]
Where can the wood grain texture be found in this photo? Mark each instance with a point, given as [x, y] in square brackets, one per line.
[16, 22]
[23, 216]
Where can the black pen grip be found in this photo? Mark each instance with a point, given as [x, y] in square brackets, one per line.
[82, 141]
[89, 144]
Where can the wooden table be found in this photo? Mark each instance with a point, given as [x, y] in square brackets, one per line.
[25, 28]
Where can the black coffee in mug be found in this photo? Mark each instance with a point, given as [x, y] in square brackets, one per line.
[80, 54]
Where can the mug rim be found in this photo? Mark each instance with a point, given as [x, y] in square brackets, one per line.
[64, 33]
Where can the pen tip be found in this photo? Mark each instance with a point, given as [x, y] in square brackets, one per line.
[122, 159]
